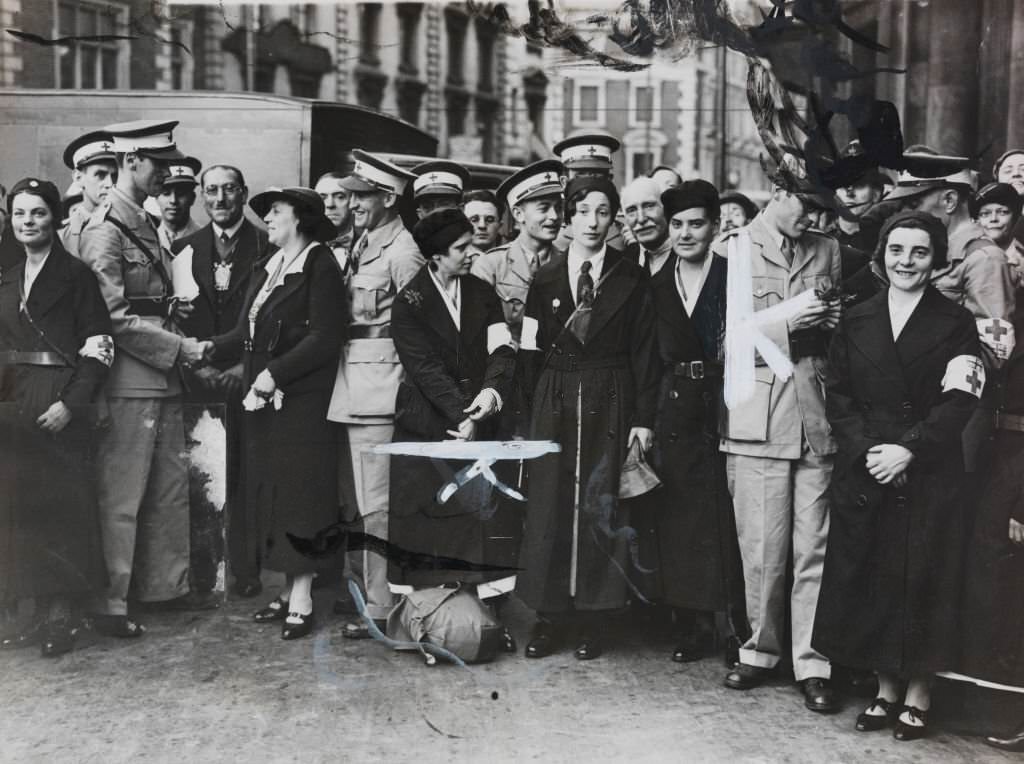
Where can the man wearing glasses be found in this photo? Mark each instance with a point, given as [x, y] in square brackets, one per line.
[223, 252]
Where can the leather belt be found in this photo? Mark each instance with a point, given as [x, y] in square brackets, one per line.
[369, 331]
[1013, 422]
[807, 343]
[695, 369]
[30, 358]
[572, 362]
[150, 306]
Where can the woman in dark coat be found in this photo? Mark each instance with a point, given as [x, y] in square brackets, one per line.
[291, 332]
[693, 530]
[905, 377]
[54, 356]
[596, 390]
[457, 353]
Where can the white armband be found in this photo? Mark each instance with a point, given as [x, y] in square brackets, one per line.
[998, 335]
[498, 335]
[966, 373]
[528, 337]
[99, 347]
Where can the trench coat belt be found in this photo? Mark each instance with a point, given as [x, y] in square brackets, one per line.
[695, 369]
[572, 362]
[368, 331]
[30, 358]
[1013, 422]
[805, 343]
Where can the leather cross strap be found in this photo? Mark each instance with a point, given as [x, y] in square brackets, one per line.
[153, 259]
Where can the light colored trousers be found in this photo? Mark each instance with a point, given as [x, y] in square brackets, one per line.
[779, 504]
[142, 488]
[372, 478]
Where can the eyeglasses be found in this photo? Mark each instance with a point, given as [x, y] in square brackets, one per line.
[229, 189]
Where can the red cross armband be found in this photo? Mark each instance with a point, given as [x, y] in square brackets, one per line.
[997, 334]
[965, 372]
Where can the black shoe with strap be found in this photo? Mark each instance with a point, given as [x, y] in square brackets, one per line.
[297, 625]
[276, 610]
[867, 722]
[903, 731]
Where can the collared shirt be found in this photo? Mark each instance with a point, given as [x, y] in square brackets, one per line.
[575, 261]
[653, 259]
[899, 313]
[168, 237]
[232, 232]
[452, 300]
[31, 272]
[691, 295]
[226, 247]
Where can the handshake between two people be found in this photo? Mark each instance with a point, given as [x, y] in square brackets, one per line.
[195, 355]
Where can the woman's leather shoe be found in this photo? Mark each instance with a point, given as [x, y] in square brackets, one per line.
[297, 630]
[59, 639]
[276, 610]
[542, 642]
[508, 642]
[32, 634]
[873, 722]
[911, 731]
[588, 649]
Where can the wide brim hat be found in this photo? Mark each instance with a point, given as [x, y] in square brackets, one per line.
[305, 199]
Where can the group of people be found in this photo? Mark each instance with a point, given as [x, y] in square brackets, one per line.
[826, 418]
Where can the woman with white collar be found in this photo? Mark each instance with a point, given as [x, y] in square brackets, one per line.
[291, 332]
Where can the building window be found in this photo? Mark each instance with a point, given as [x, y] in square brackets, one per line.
[456, 23]
[304, 18]
[643, 104]
[641, 161]
[369, 34]
[588, 104]
[408, 37]
[485, 54]
[91, 64]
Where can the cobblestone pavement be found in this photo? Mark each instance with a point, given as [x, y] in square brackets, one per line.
[216, 687]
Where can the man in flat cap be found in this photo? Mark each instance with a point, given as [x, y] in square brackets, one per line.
[383, 261]
[588, 152]
[646, 221]
[90, 158]
[977, 276]
[175, 202]
[439, 185]
[779, 449]
[143, 478]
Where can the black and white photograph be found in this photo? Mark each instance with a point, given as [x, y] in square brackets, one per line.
[547, 380]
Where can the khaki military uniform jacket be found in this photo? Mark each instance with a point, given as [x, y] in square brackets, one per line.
[71, 233]
[370, 371]
[781, 415]
[147, 345]
[510, 269]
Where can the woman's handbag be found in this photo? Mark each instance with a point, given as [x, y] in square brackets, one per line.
[637, 477]
[454, 619]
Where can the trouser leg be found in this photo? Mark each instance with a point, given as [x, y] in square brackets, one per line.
[811, 476]
[125, 453]
[162, 544]
[761, 490]
[371, 479]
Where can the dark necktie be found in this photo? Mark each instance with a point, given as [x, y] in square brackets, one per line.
[584, 301]
[357, 253]
[224, 238]
[787, 249]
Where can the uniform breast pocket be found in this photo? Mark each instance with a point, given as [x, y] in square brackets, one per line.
[138, 274]
[369, 291]
[768, 291]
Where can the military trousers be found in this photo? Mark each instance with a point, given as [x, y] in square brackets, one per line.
[371, 478]
[142, 489]
[781, 504]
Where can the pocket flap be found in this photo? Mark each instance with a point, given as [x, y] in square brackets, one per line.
[371, 281]
[377, 350]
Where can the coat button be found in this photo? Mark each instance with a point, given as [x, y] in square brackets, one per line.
[862, 500]
[673, 394]
[673, 437]
[901, 501]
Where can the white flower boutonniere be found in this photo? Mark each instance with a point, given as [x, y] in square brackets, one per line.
[555, 304]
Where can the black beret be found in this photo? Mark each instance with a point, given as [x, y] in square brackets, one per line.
[924, 221]
[577, 188]
[692, 193]
[995, 193]
[744, 201]
[439, 230]
[45, 190]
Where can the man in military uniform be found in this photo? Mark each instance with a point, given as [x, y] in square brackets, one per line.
[90, 158]
[143, 480]
[859, 236]
[175, 201]
[588, 152]
[439, 185]
[645, 218]
[336, 208]
[778, 445]
[977, 275]
[384, 260]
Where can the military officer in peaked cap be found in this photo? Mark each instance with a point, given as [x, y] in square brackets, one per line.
[90, 158]
[588, 152]
[439, 185]
[143, 479]
[383, 261]
[176, 200]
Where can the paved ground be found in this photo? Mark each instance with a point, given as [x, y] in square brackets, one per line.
[216, 687]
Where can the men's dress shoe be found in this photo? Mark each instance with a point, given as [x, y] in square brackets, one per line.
[186, 603]
[276, 610]
[745, 677]
[297, 630]
[1014, 742]
[872, 722]
[819, 695]
[32, 634]
[247, 589]
[508, 642]
[359, 629]
[59, 639]
[542, 643]
[120, 626]
[905, 732]
[588, 649]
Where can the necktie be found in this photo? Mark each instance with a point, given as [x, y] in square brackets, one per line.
[787, 249]
[584, 301]
[358, 252]
[224, 238]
